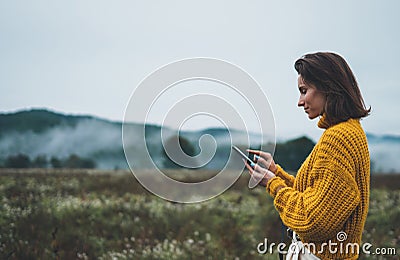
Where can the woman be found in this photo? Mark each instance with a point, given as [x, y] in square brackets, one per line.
[327, 201]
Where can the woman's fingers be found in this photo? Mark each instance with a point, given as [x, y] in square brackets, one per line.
[260, 174]
[248, 166]
[261, 153]
[264, 162]
[257, 170]
[268, 160]
[254, 151]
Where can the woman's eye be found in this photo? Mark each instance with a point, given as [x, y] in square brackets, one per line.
[303, 91]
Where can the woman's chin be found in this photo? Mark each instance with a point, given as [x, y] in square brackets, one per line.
[311, 117]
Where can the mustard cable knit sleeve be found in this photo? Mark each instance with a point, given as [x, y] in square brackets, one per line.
[327, 193]
[288, 178]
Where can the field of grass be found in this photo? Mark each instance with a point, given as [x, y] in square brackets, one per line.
[77, 214]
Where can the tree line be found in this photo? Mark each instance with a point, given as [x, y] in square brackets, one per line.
[289, 154]
[41, 161]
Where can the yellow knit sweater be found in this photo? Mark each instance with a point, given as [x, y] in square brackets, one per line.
[330, 194]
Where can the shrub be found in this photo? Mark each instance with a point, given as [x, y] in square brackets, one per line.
[17, 161]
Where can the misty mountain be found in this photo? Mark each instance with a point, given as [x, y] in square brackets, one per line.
[42, 132]
[384, 151]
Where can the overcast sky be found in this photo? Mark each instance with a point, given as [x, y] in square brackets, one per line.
[87, 57]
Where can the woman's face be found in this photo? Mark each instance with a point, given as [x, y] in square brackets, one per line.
[312, 100]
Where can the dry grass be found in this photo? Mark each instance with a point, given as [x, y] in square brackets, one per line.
[67, 214]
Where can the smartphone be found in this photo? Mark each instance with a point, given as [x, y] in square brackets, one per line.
[254, 180]
[249, 161]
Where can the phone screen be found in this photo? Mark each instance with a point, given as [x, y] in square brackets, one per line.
[254, 180]
[249, 161]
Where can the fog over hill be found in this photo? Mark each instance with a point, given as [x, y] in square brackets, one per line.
[41, 132]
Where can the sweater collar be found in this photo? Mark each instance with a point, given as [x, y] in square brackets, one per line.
[323, 122]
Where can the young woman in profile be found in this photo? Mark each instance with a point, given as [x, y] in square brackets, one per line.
[326, 204]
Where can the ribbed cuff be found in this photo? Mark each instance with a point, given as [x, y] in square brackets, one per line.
[280, 172]
[274, 185]
[288, 178]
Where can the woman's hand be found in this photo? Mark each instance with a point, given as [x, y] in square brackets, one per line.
[264, 168]
[265, 159]
[259, 173]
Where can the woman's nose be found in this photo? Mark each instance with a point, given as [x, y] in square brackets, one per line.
[300, 103]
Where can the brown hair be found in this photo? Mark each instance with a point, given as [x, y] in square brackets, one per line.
[331, 75]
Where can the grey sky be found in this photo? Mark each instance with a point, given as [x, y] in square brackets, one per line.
[86, 57]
